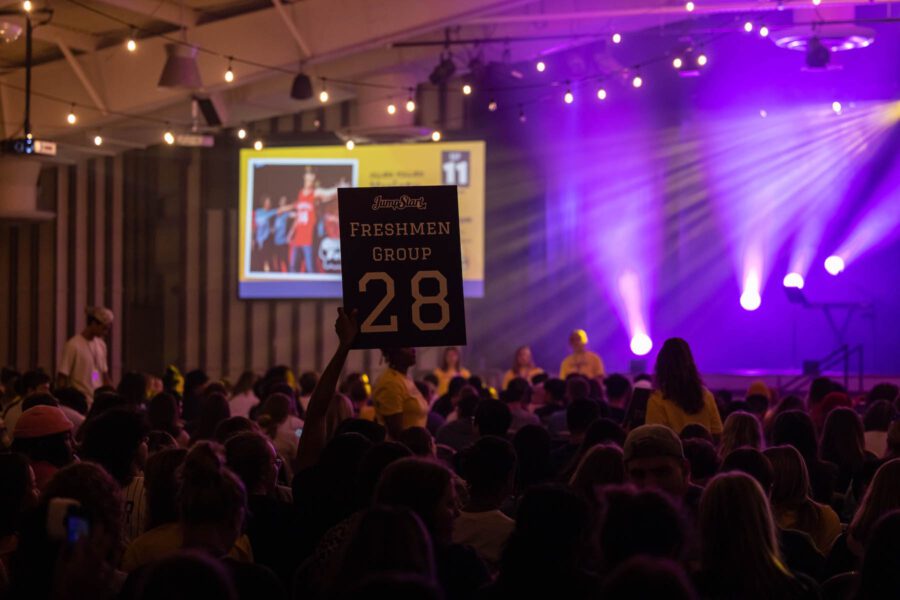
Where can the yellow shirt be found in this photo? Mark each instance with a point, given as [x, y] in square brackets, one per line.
[510, 375]
[586, 363]
[396, 393]
[167, 539]
[444, 378]
[666, 412]
[823, 534]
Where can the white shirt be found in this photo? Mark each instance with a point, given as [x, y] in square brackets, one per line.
[486, 532]
[241, 404]
[84, 363]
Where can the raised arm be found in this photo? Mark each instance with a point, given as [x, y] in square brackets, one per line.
[313, 439]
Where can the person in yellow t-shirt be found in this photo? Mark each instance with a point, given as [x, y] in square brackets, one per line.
[398, 403]
[680, 398]
[581, 361]
[450, 368]
[523, 366]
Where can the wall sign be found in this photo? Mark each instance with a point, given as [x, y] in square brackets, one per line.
[402, 268]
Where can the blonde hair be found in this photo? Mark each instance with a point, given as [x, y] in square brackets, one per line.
[740, 429]
[882, 497]
[738, 539]
[790, 487]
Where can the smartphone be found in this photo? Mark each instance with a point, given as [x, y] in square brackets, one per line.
[298, 432]
[66, 520]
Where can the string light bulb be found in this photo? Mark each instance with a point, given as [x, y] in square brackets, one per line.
[435, 136]
[72, 118]
[169, 137]
[392, 108]
[410, 103]
[258, 145]
[748, 26]
[522, 117]
[229, 73]
[816, 2]
[27, 6]
[677, 63]
[568, 98]
[131, 44]
[323, 95]
[601, 94]
[466, 89]
[541, 66]
[689, 6]
[492, 105]
[702, 60]
[617, 38]
[764, 31]
[242, 133]
[98, 140]
[637, 82]
[350, 144]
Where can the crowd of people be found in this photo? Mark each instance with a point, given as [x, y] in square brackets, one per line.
[434, 485]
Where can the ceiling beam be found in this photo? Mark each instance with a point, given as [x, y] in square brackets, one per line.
[76, 40]
[82, 77]
[159, 10]
[292, 29]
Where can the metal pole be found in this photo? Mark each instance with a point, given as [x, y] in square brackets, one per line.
[28, 30]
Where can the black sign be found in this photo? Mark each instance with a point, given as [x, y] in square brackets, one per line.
[402, 268]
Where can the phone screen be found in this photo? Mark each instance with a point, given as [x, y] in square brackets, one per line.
[76, 528]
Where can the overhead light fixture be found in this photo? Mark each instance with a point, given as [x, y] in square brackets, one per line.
[568, 97]
[466, 89]
[637, 81]
[301, 88]
[229, 73]
[392, 108]
[817, 55]
[764, 31]
[601, 94]
[689, 6]
[748, 26]
[444, 70]
[72, 118]
[258, 145]
[541, 66]
[435, 136]
[522, 117]
[350, 144]
[131, 44]
[169, 137]
[27, 6]
[492, 105]
[617, 38]
[98, 140]
[180, 70]
[323, 95]
[241, 133]
[410, 103]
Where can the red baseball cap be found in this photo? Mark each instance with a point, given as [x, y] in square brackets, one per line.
[40, 421]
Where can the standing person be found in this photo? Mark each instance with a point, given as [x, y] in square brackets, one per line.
[681, 398]
[83, 364]
[582, 361]
[398, 402]
[301, 233]
[262, 220]
[523, 366]
[450, 367]
[280, 250]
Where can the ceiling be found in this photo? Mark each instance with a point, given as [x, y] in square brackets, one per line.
[80, 55]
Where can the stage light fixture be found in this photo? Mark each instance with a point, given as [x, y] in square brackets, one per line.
[748, 26]
[617, 38]
[793, 280]
[601, 94]
[350, 144]
[242, 133]
[750, 300]
[169, 137]
[466, 89]
[98, 140]
[637, 81]
[689, 6]
[72, 118]
[392, 108]
[817, 54]
[435, 136]
[492, 105]
[258, 145]
[837, 107]
[641, 344]
[541, 66]
[764, 31]
[834, 265]
[568, 98]
[229, 73]
[444, 70]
